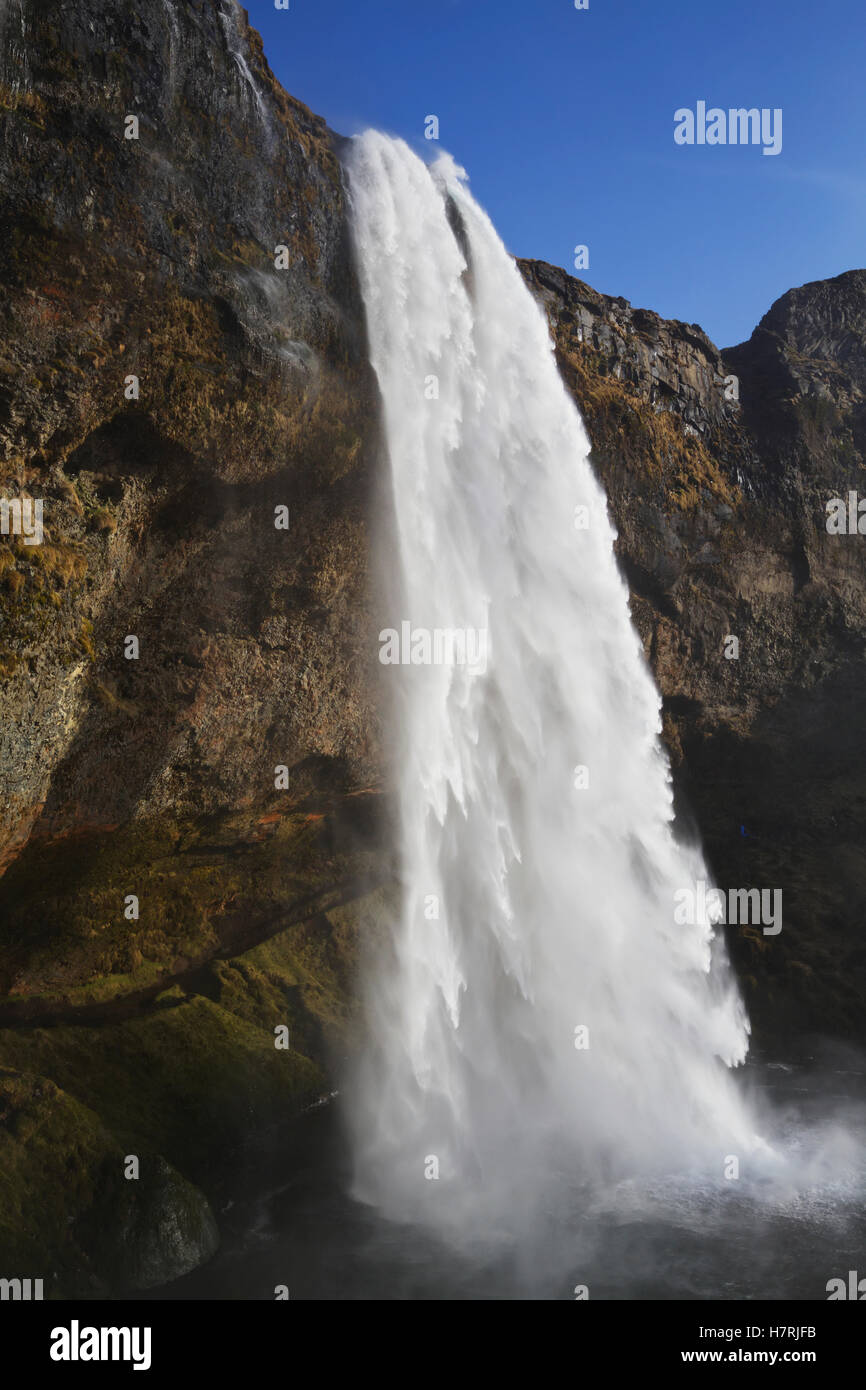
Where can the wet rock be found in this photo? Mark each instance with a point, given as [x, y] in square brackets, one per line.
[159, 1229]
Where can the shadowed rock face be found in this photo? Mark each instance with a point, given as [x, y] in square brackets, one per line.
[156, 257]
[721, 512]
[155, 778]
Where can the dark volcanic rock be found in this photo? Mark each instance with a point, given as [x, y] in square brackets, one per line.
[155, 778]
[155, 258]
[720, 508]
[159, 1229]
[71, 1195]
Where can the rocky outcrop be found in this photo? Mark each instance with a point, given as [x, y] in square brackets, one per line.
[149, 265]
[171, 395]
[720, 505]
[109, 1221]
[185, 833]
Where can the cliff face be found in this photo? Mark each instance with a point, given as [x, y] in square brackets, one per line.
[148, 1027]
[720, 505]
[155, 258]
[155, 778]
[165, 389]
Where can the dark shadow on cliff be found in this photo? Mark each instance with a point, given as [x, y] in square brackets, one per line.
[784, 808]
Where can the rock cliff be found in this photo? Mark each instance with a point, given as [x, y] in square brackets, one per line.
[182, 355]
[719, 467]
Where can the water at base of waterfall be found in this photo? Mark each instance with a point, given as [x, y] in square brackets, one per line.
[666, 1240]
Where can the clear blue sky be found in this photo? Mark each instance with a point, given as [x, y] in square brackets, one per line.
[564, 120]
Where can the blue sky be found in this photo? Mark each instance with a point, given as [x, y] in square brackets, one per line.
[564, 120]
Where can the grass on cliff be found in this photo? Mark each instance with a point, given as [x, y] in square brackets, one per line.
[53, 1151]
[66, 932]
[653, 444]
[185, 1080]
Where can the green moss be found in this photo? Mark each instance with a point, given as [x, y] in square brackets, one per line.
[186, 1080]
[199, 883]
[194, 1075]
[53, 1152]
[193, 1071]
[69, 1214]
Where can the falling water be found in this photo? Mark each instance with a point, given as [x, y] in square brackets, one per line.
[537, 1016]
[174, 43]
[14, 49]
[229, 20]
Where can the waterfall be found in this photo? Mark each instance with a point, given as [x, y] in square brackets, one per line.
[229, 21]
[536, 1013]
[14, 48]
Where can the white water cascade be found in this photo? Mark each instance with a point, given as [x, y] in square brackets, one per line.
[537, 1015]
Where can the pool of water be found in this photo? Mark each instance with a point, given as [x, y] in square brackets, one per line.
[781, 1236]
